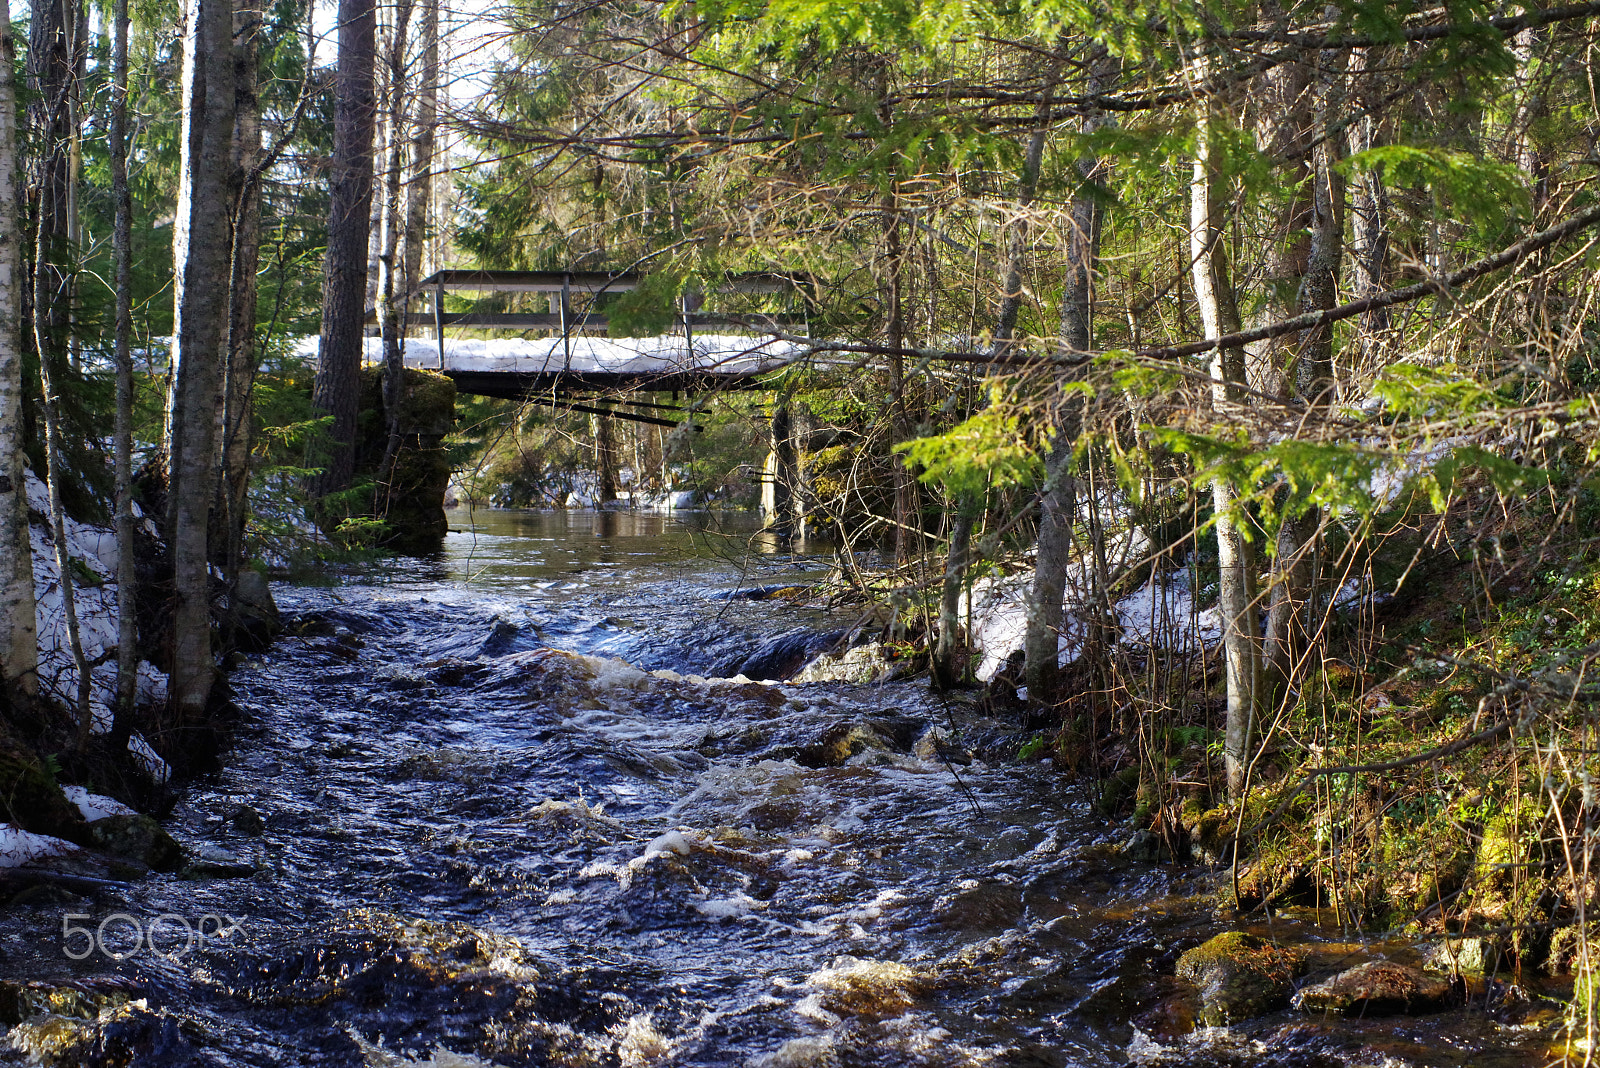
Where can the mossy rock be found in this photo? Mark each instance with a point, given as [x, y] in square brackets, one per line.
[1210, 830]
[1379, 988]
[30, 798]
[136, 838]
[1463, 956]
[413, 507]
[1240, 976]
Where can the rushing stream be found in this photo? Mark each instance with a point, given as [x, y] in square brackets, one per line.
[497, 815]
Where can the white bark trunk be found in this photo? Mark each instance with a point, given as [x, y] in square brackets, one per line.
[19, 645]
[1236, 557]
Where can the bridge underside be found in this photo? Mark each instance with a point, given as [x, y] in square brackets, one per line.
[523, 385]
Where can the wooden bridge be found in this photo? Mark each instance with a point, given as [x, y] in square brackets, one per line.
[571, 362]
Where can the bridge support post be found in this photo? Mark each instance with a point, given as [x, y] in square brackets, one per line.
[782, 475]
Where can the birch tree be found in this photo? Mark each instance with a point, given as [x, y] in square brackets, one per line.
[1236, 597]
[19, 646]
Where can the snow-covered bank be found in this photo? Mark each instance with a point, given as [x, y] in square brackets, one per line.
[1161, 614]
[96, 548]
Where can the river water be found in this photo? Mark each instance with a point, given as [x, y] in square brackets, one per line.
[498, 815]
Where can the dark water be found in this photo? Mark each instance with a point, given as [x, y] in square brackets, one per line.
[504, 820]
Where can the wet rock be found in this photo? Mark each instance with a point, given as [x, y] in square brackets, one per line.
[838, 744]
[1378, 988]
[937, 745]
[503, 638]
[126, 1034]
[1462, 956]
[984, 907]
[780, 657]
[247, 821]
[214, 862]
[1172, 1017]
[23, 999]
[1147, 846]
[136, 838]
[850, 986]
[861, 665]
[1240, 976]
[254, 609]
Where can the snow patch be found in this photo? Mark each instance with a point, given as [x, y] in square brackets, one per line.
[96, 608]
[667, 354]
[95, 806]
[19, 847]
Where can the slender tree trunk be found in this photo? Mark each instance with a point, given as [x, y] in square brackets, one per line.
[1293, 570]
[122, 261]
[338, 383]
[1369, 213]
[240, 372]
[201, 246]
[19, 646]
[895, 338]
[52, 464]
[1058, 497]
[56, 53]
[390, 326]
[1236, 560]
[419, 189]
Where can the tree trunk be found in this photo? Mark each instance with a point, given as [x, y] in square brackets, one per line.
[19, 645]
[1369, 216]
[1058, 497]
[895, 338]
[52, 465]
[390, 327]
[1236, 560]
[1293, 571]
[419, 191]
[122, 260]
[240, 372]
[57, 49]
[201, 244]
[338, 383]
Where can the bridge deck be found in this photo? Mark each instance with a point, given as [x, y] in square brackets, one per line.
[515, 368]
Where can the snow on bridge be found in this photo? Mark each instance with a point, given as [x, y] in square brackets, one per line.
[514, 367]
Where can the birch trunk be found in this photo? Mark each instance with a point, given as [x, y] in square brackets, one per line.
[338, 383]
[201, 244]
[19, 645]
[1236, 558]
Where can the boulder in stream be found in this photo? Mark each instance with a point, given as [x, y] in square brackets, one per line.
[1240, 976]
[862, 665]
[1378, 988]
[139, 839]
